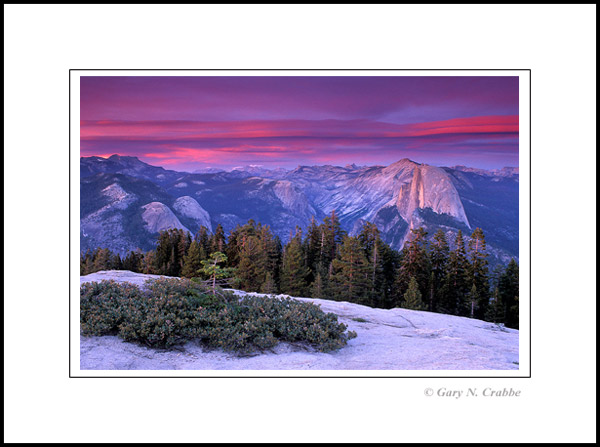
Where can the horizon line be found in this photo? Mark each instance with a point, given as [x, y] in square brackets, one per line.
[229, 169]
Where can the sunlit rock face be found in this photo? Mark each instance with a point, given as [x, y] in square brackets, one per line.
[189, 207]
[116, 192]
[293, 199]
[430, 187]
[159, 217]
[360, 194]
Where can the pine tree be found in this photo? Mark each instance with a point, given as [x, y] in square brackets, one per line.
[478, 271]
[81, 264]
[268, 255]
[268, 286]
[374, 249]
[149, 263]
[473, 300]
[87, 263]
[332, 236]
[412, 296]
[294, 272]
[163, 252]
[133, 261]
[278, 259]
[254, 251]
[171, 265]
[102, 260]
[351, 273]
[192, 262]
[237, 240]
[316, 290]
[496, 311]
[183, 245]
[204, 239]
[440, 253]
[217, 240]
[455, 289]
[248, 272]
[212, 269]
[432, 291]
[390, 263]
[415, 263]
[233, 246]
[115, 262]
[312, 248]
[171, 248]
[508, 291]
[368, 236]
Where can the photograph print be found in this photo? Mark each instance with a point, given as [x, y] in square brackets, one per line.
[366, 223]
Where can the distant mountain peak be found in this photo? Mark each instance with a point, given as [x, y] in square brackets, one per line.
[117, 157]
[407, 160]
[402, 163]
[507, 171]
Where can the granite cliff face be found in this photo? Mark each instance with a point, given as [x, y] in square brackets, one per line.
[158, 217]
[293, 199]
[124, 196]
[189, 207]
[391, 196]
[106, 225]
[430, 187]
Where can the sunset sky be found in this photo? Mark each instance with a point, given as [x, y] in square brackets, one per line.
[188, 123]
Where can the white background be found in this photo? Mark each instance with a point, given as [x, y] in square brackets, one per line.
[42, 404]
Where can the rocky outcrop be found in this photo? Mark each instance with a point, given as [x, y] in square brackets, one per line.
[388, 339]
[105, 227]
[158, 217]
[292, 199]
[189, 207]
[430, 187]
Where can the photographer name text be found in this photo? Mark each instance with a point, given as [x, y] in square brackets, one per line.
[472, 392]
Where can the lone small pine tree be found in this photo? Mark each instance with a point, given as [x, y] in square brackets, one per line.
[213, 270]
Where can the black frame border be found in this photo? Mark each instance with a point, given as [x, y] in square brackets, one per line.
[292, 376]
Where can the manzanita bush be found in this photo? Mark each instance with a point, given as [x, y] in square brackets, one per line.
[167, 312]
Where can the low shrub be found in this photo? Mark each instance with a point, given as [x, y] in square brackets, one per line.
[101, 306]
[170, 311]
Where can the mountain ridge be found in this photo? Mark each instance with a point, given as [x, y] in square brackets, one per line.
[403, 195]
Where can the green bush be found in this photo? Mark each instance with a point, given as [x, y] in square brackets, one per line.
[171, 311]
[101, 306]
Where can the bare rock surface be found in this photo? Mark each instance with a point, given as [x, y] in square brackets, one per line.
[189, 207]
[159, 217]
[388, 339]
